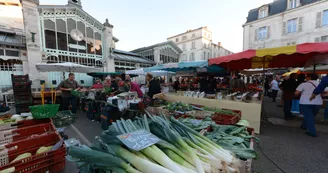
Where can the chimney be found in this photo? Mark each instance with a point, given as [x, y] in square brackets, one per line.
[219, 44]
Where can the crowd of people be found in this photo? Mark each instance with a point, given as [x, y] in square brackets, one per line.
[305, 92]
[208, 84]
[115, 85]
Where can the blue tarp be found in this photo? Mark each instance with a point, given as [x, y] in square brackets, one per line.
[181, 66]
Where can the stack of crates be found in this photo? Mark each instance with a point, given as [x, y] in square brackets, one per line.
[22, 93]
[29, 136]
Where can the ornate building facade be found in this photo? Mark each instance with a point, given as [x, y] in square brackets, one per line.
[58, 34]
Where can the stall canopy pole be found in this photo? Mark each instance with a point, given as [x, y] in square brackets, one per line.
[314, 66]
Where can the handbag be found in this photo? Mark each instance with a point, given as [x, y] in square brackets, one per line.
[295, 106]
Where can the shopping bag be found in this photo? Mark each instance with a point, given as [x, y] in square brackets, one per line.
[295, 107]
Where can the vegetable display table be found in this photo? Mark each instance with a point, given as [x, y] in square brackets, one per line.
[250, 111]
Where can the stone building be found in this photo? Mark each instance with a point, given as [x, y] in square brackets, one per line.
[56, 34]
[286, 22]
[197, 44]
[166, 52]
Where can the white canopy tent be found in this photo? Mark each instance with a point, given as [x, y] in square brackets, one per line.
[66, 67]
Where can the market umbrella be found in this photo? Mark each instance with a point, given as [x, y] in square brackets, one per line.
[287, 56]
[66, 67]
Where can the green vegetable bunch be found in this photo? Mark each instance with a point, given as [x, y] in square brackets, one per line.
[179, 106]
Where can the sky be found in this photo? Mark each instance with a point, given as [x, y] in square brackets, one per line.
[140, 23]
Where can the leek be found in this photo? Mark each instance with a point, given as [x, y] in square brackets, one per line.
[141, 164]
[175, 157]
[167, 134]
[99, 158]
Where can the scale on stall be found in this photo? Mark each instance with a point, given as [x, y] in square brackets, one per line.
[128, 100]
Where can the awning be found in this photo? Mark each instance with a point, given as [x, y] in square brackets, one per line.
[296, 70]
[178, 66]
[154, 73]
[287, 56]
[102, 74]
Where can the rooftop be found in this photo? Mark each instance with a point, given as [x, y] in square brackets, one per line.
[157, 45]
[275, 7]
[130, 56]
[191, 30]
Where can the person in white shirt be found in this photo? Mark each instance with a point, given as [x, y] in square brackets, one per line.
[309, 108]
[274, 89]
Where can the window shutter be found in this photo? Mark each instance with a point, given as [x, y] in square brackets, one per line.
[284, 28]
[268, 32]
[300, 24]
[317, 39]
[318, 21]
[255, 35]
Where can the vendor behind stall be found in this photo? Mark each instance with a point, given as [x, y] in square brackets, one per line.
[97, 85]
[114, 85]
[176, 84]
[238, 84]
[133, 87]
[154, 85]
[66, 87]
[107, 82]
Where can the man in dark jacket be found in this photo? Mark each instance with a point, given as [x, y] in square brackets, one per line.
[154, 85]
[289, 87]
[176, 84]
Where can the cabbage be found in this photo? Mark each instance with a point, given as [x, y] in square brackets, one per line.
[19, 119]
[14, 117]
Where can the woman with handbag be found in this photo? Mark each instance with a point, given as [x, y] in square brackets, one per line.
[309, 108]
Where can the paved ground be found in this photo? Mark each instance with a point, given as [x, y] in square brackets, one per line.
[286, 145]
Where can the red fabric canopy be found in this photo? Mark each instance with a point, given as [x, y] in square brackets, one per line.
[288, 56]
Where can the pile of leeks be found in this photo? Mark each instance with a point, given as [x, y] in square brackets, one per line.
[181, 150]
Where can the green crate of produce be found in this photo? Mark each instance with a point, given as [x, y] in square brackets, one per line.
[76, 93]
[44, 111]
[64, 118]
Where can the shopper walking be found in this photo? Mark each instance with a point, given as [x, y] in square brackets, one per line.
[266, 87]
[274, 89]
[289, 87]
[321, 89]
[309, 108]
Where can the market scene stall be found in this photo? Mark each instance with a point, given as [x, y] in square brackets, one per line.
[214, 123]
[71, 102]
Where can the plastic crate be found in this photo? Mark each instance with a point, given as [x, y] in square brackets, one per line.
[44, 111]
[22, 124]
[20, 109]
[21, 101]
[22, 89]
[22, 83]
[23, 93]
[19, 78]
[30, 145]
[52, 161]
[64, 118]
[226, 119]
[15, 135]
[23, 97]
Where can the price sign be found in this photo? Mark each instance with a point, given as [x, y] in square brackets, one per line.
[138, 140]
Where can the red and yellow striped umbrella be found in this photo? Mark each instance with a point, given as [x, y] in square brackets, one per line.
[287, 56]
